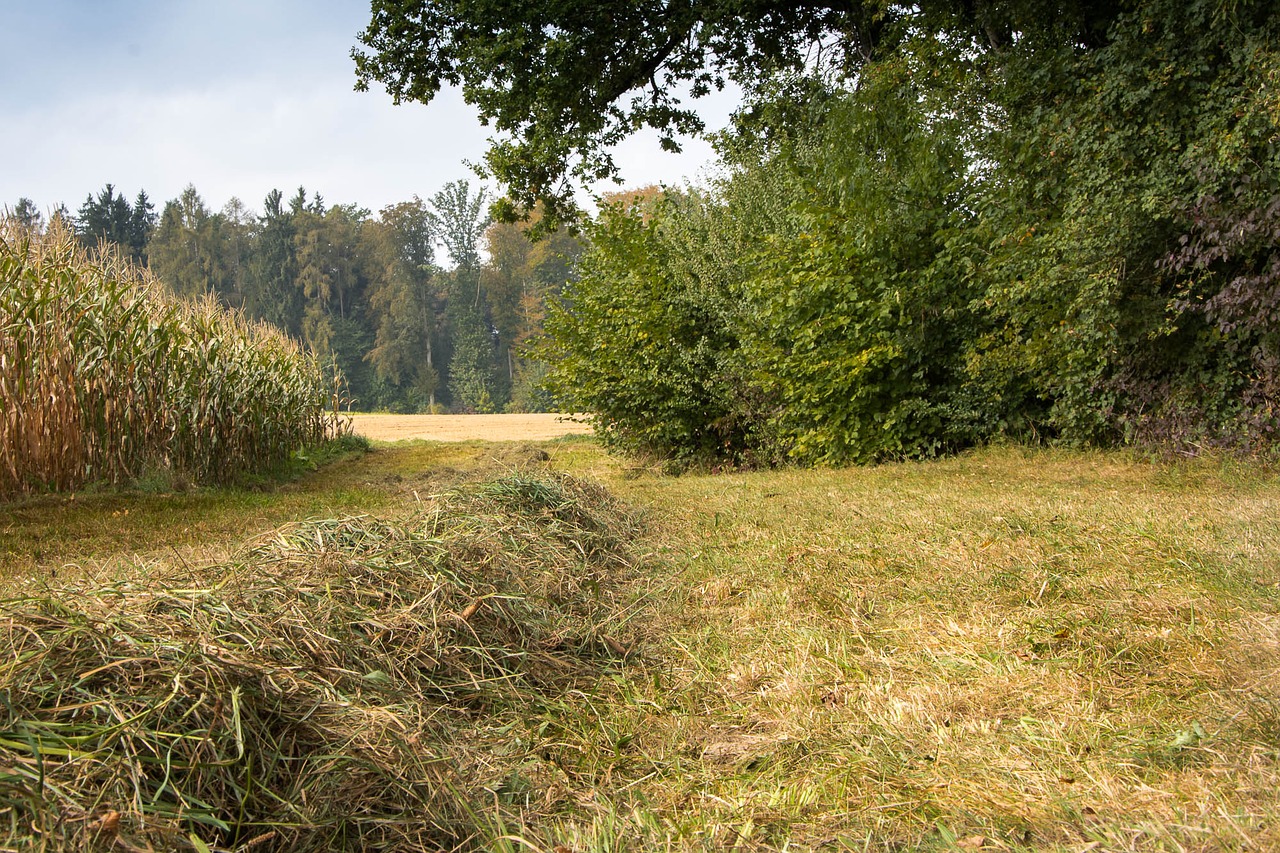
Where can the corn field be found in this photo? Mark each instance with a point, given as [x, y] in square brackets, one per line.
[105, 377]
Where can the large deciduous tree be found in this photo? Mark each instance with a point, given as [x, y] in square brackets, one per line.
[406, 303]
[562, 80]
[520, 277]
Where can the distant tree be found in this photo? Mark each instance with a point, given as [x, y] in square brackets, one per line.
[272, 293]
[104, 218]
[406, 302]
[26, 212]
[142, 222]
[459, 219]
[520, 275]
[239, 226]
[188, 251]
[168, 255]
[471, 370]
[299, 204]
[326, 247]
[330, 275]
[643, 200]
[505, 280]
[109, 218]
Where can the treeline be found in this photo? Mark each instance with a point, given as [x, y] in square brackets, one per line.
[1043, 236]
[369, 293]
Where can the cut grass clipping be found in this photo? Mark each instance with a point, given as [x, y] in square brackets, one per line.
[105, 378]
[331, 688]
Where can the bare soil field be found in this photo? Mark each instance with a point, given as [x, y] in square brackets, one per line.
[538, 427]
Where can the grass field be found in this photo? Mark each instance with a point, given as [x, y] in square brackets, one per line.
[1009, 650]
[516, 427]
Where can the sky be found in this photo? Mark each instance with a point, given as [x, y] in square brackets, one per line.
[237, 97]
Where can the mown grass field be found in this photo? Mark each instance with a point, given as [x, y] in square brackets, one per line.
[1009, 650]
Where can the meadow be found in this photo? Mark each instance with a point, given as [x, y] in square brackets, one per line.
[539, 646]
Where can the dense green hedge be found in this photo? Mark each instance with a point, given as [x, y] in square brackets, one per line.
[1043, 241]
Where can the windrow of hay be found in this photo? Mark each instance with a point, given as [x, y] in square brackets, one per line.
[338, 686]
[103, 376]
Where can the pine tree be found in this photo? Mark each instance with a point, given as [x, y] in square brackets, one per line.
[109, 218]
[26, 212]
[273, 293]
[142, 222]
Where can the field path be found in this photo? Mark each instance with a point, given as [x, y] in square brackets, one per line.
[467, 427]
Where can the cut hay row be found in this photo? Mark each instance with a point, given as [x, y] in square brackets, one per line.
[104, 377]
[340, 686]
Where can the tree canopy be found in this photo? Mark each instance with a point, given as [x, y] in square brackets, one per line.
[561, 80]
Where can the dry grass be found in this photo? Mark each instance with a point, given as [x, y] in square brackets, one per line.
[1003, 651]
[1010, 650]
[344, 684]
[514, 427]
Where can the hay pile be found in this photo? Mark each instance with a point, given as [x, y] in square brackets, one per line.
[332, 688]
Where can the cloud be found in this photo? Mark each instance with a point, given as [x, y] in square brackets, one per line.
[251, 136]
[241, 139]
[237, 98]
